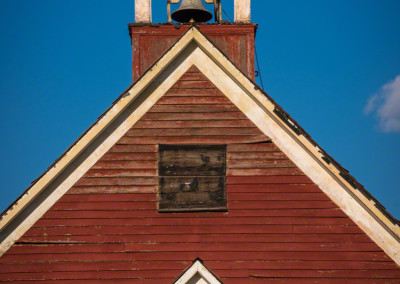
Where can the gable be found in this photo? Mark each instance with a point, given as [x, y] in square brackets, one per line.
[194, 49]
[278, 224]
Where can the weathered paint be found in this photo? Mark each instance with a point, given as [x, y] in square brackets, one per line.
[359, 209]
[191, 177]
[279, 223]
[142, 11]
[150, 42]
[242, 11]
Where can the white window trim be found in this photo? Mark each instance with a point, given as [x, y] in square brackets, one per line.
[197, 268]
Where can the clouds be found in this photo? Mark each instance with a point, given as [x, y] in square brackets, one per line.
[386, 105]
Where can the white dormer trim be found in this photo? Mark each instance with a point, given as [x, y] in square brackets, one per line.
[197, 274]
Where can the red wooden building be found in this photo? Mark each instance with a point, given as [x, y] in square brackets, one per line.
[195, 175]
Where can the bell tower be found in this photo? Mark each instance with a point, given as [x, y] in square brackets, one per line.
[150, 40]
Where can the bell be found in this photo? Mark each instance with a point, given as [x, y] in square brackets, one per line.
[191, 11]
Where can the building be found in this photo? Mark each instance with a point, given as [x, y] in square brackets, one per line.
[195, 175]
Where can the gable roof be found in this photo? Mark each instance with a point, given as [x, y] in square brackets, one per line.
[196, 272]
[193, 48]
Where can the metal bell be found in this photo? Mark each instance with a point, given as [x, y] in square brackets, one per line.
[191, 11]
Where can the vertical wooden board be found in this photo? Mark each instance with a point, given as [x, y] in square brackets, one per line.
[227, 38]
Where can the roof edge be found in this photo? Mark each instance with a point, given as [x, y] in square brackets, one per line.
[54, 165]
[346, 181]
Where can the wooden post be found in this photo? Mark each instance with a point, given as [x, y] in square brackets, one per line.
[142, 11]
[242, 11]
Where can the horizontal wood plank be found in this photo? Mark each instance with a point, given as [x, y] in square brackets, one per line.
[194, 139]
[146, 230]
[194, 116]
[193, 108]
[117, 148]
[265, 172]
[193, 84]
[193, 124]
[189, 100]
[301, 179]
[111, 189]
[70, 222]
[126, 214]
[141, 132]
[129, 156]
[117, 181]
[194, 93]
[203, 238]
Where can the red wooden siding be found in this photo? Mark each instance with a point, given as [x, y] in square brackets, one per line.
[280, 227]
[150, 42]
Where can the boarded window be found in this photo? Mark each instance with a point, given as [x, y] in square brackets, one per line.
[192, 178]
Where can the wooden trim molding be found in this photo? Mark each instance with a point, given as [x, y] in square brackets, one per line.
[197, 273]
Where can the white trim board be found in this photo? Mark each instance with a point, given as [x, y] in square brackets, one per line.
[194, 49]
[197, 274]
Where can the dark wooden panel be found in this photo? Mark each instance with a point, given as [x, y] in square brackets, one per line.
[192, 193]
[192, 160]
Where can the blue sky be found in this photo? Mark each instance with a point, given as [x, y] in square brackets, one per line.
[331, 64]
